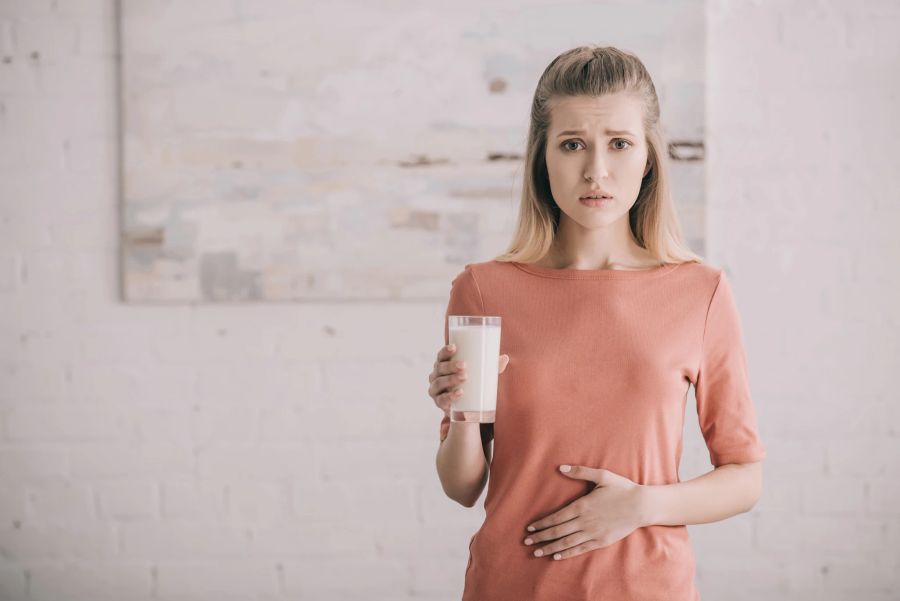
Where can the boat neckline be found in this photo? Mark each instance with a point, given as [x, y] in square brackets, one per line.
[597, 274]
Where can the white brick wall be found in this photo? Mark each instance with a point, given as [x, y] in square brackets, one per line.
[804, 213]
[286, 451]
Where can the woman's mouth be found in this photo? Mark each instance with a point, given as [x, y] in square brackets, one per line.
[595, 202]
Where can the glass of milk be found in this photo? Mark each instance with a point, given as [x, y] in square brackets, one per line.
[477, 340]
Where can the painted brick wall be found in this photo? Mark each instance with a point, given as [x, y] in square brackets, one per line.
[804, 213]
[287, 451]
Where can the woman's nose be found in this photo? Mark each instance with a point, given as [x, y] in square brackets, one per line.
[596, 172]
[596, 167]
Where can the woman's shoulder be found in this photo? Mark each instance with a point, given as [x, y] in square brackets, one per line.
[701, 269]
[490, 270]
[703, 278]
[700, 272]
[484, 267]
[487, 274]
[476, 272]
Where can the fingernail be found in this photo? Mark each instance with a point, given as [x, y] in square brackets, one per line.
[528, 541]
[538, 552]
[531, 528]
[565, 468]
[557, 556]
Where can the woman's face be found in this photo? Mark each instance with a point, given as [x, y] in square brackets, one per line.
[601, 138]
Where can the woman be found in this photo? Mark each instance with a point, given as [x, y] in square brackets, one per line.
[607, 320]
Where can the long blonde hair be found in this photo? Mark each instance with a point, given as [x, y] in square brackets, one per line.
[594, 71]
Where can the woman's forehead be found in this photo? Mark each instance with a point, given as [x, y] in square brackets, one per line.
[608, 113]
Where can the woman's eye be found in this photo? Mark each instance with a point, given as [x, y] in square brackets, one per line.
[565, 145]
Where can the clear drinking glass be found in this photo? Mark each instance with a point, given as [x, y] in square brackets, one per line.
[477, 340]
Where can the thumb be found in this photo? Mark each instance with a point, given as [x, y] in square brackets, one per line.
[504, 361]
[579, 472]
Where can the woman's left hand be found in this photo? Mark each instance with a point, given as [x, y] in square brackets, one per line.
[607, 514]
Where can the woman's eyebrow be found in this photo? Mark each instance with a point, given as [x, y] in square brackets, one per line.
[608, 132]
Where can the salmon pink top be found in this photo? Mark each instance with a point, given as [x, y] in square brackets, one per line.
[600, 364]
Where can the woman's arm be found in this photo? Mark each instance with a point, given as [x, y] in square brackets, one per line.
[461, 463]
[726, 491]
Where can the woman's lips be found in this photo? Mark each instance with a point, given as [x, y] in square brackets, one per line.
[595, 202]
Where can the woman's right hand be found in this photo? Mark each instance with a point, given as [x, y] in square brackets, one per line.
[446, 377]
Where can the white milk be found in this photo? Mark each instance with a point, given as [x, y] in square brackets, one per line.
[479, 347]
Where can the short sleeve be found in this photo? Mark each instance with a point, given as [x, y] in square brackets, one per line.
[722, 388]
[465, 299]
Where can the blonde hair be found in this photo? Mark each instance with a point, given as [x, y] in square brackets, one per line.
[594, 71]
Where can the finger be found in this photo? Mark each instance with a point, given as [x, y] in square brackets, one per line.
[504, 361]
[448, 366]
[445, 383]
[444, 368]
[444, 399]
[565, 514]
[444, 365]
[554, 533]
[446, 352]
[452, 381]
[578, 549]
[567, 542]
